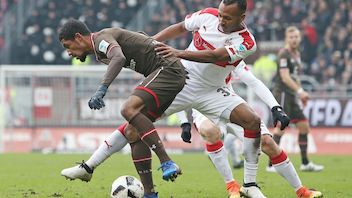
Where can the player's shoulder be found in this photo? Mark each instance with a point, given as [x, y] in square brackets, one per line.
[211, 11]
[283, 52]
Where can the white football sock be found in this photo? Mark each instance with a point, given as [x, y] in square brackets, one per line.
[251, 151]
[218, 156]
[114, 143]
[285, 168]
[230, 147]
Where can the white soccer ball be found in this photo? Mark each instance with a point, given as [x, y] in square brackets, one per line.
[127, 187]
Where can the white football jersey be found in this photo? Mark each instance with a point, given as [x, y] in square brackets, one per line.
[206, 35]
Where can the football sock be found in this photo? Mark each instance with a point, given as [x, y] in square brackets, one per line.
[251, 151]
[277, 139]
[303, 144]
[149, 135]
[285, 168]
[114, 143]
[230, 147]
[218, 156]
[142, 159]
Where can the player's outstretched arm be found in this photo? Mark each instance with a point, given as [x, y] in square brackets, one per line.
[171, 32]
[117, 60]
[264, 94]
[204, 56]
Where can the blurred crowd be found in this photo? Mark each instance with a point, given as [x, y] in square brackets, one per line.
[4, 6]
[325, 25]
[40, 43]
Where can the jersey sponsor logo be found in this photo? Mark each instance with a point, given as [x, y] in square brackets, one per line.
[103, 46]
[132, 65]
[283, 62]
[202, 44]
[241, 48]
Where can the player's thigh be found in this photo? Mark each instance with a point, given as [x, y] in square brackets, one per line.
[159, 89]
[207, 129]
[214, 101]
[183, 100]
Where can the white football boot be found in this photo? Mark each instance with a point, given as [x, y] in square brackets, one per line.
[82, 172]
[311, 167]
[251, 191]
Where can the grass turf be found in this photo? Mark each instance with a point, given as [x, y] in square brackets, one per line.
[38, 175]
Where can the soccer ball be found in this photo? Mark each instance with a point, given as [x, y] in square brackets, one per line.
[127, 187]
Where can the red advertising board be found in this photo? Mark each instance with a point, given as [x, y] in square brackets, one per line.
[322, 140]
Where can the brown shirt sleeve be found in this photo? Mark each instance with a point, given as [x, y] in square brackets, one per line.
[107, 46]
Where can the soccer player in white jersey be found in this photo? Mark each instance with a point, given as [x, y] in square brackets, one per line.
[206, 90]
[278, 157]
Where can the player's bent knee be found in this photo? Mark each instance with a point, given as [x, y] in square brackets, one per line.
[254, 123]
[210, 132]
[127, 112]
[131, 134]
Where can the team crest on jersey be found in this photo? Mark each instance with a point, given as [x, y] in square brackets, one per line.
[132, 65]
[283, 62]
[103, 46]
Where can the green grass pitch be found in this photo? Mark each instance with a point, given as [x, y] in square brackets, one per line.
[38, 175]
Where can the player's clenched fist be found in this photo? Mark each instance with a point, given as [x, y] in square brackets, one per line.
[280, 116]
[96, 101]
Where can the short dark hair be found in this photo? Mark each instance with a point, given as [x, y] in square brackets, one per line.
[71, 27]
[242, 4]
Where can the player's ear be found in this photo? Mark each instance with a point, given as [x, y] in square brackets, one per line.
[79, 36]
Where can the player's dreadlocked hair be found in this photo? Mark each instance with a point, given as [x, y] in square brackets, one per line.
[242, 4]
[71, 27]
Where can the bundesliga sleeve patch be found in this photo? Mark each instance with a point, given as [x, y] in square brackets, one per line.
[103, 46]
[283, 62]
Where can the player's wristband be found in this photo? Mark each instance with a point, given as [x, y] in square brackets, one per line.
[300, 90]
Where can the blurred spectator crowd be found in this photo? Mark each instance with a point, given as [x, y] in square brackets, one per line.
[326, 26]
[40, 43]
[4, 6]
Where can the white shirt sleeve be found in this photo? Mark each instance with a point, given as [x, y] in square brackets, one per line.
[262, 91]
[239, 52]
[194, 21]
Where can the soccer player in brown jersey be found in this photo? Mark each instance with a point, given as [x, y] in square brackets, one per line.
[164, 78]
[292, 97]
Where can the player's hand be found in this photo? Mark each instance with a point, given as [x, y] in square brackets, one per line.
[186, 132]
[166, 51]
[304, 96]
[280, 116]
[96, 101]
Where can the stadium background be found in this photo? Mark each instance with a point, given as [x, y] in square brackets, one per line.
[44, 93]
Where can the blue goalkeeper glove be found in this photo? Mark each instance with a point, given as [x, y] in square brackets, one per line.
[280, 115]
[96, 101]
[186, 132]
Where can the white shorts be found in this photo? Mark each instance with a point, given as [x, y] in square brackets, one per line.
[216, 103]
[226, 127]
